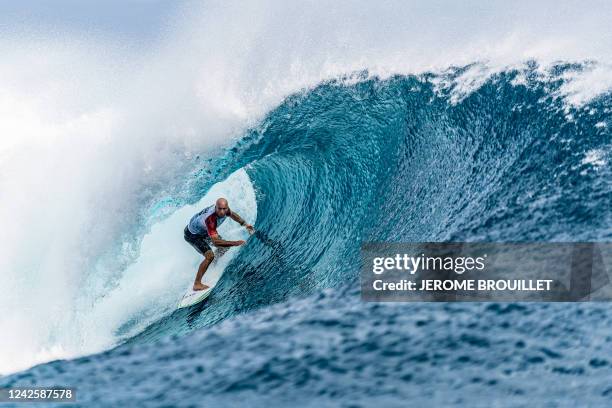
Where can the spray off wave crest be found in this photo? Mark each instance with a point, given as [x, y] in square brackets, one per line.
[93, 136]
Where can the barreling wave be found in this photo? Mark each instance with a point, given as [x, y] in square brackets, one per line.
[409, 158]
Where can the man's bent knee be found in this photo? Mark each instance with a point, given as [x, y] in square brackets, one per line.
[209, 255]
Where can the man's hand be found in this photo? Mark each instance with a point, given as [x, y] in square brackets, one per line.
[250, 228]
[240, 242]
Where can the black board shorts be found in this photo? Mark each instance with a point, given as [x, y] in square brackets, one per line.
[200, 242]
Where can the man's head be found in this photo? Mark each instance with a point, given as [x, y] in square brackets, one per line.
[221, 207]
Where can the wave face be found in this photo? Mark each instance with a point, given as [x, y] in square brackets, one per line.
[408, 158]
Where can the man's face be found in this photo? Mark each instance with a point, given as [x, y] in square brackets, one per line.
[221, 209]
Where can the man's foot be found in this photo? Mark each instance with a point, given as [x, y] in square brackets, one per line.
[200, 286]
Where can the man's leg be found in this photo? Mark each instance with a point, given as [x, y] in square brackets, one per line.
[208, 258]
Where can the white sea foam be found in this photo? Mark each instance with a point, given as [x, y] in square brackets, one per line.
[594, 157]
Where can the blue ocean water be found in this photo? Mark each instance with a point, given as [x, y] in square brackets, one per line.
[404, 159]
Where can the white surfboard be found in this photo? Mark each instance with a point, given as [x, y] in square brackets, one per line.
[193, 297]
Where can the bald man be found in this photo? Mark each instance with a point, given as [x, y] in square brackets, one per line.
[201, 232]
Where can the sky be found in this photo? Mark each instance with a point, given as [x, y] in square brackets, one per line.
[124, 20]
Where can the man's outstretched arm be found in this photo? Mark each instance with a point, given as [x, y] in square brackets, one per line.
[234, 216]
[218, 242]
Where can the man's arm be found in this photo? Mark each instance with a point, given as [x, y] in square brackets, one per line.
[234, 216]
[223, 243]
[211, 228]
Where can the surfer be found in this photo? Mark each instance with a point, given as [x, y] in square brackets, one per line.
[201, 232]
